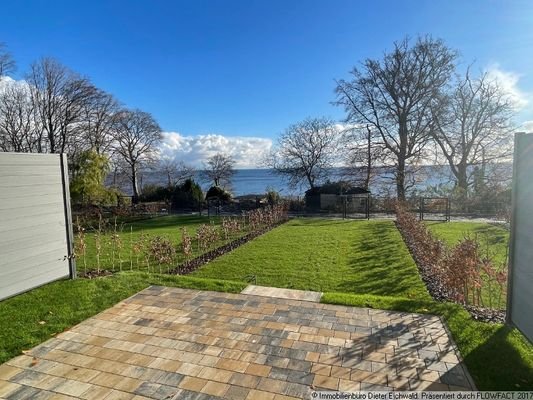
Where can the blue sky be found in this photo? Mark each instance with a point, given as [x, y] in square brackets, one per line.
[250, 68]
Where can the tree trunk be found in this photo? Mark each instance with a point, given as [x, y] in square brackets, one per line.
[368, 158]
[462, 179]
[402, 155]
[400, 179]
[134, 186]
[311, 181]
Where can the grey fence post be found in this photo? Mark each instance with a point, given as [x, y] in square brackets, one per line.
[512, 234]
[68, 215]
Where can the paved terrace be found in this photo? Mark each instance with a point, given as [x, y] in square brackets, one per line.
[169, 343]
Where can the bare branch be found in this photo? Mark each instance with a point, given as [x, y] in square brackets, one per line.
[7, 63]
[219, 169]
[395, 95]
[305, 151]
[136, 137]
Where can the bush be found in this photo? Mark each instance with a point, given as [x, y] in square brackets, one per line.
[273, 196]
[187, 195]
[88, 175]
[340, 187]
[154, 193]
[216, 192]
[460, 273]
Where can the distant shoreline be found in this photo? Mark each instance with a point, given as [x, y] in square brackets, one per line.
[251, 182]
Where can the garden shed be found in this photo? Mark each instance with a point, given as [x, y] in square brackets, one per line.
[337, 197]
[35, 221]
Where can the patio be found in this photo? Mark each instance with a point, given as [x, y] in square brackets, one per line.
[167, 343]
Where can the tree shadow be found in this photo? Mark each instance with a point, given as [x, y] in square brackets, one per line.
[424, 357]
[381, 265]
[497, 365]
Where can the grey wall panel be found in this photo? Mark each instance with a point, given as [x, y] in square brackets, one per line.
[29, 223]
[28, 211]
[7, 182]
[33, 235]
[10, 203]
[520, 296]
[35, 160]
[33, 238]
[29, 170]
[49, 255]
[37, 279]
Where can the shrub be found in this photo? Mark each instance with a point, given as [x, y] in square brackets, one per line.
[188, 195]
[460, 274]
[216, 192]
[273, 196]
[88, 175]
[152, 193]
[162, 250]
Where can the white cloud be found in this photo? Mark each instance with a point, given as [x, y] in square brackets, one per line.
[5, 82]
[194, 150]
[526, 126]
[508, 82]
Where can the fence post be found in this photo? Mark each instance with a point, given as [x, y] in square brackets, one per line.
[68, 215]
[344, 200]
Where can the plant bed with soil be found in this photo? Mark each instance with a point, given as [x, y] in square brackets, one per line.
[459, 274]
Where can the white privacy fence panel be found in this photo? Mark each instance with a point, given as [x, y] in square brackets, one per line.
[520, 296]
[35, 225]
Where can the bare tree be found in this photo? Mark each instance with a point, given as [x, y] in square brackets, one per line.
[17, 126]
[219, 169]
[305, 151]
[175, 171]
[7, 63]
[59, 96]
[363, 152]
[394, 96]
[473, 127]
[97, 121]
[136, 135]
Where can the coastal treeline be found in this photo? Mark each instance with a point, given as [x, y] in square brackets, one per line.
[54, 109]
[408, 109]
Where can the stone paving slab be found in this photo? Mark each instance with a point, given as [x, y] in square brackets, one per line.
[291, 294]
[170, 343]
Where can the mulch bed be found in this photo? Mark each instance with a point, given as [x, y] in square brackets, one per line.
[439, 292]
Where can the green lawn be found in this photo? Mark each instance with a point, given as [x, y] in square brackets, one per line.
[493, 239]
[119, 255]
[358, 263]
[326, 255]
[34, 317]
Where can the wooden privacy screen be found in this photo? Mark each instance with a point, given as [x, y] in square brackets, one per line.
[35, 221]
[520, 291]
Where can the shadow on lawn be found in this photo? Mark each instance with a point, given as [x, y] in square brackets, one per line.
[491, 363]
[316, 221]
[378, 267]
